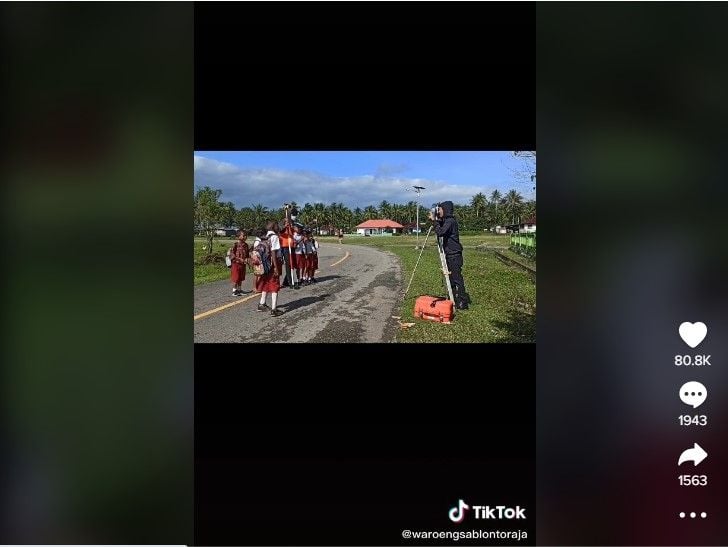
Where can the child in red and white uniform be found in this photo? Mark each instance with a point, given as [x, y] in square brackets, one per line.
[314, 259]
[308, 253]
[299, 258]
[239, 254]
[271, 282]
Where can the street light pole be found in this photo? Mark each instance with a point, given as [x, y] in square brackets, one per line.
[418, 189]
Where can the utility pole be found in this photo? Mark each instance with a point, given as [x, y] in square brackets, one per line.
[418, 189]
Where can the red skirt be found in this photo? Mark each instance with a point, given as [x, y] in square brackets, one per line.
[237, 273]
[269, 282]
[297, 261]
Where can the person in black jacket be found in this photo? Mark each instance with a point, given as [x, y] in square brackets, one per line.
[446, 227]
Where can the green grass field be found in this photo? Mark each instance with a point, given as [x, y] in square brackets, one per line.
[489, 240]
[518, 258]
[504, 297]
[205, 273]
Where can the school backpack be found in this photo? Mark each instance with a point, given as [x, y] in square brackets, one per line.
[260, 258]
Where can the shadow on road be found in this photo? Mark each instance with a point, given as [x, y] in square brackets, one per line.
[303, 302]
[327, 278]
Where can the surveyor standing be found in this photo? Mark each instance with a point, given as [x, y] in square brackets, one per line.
[446, 227]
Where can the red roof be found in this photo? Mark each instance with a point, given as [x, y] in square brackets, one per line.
[385, 223]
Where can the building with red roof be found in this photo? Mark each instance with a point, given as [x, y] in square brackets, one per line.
[379, 227]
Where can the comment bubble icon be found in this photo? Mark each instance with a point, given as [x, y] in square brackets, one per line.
[693, 394]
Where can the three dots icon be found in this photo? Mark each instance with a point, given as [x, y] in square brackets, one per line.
[693, 515]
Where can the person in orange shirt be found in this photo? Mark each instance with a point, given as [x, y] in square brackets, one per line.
[286, 238]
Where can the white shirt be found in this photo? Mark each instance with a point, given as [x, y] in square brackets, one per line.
[275, 242]
[297, 238]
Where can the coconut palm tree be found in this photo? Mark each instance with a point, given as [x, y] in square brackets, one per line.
[358, 216]
[347, 217]
[306, 214]
[411, 211]
[513, 203]
[320, 213]
[529, 209]
[395, 211]
[478, 203]
[337, 216]
[385, 209]
[462, 213]
[260, 215]
[370, 212]
[495, 200]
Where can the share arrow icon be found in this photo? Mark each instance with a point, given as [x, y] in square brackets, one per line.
[696, 454]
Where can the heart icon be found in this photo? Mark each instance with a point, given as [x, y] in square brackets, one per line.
[693, 333]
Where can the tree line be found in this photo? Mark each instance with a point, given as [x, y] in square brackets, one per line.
[483, 212]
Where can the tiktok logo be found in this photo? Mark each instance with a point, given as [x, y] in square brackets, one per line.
[457, 513]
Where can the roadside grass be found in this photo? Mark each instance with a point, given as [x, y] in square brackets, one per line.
[503, 297]
[214, 271]
[503, 305]
[519, 258]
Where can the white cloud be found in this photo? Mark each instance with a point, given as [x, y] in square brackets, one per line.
[273, 187]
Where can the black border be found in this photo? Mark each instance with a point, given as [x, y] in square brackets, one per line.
[365, 76]
[336, 451]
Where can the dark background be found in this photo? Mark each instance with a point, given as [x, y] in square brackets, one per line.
[96, 382]
[97, 376]
[632, 122]
[353, 451]
[365, 441]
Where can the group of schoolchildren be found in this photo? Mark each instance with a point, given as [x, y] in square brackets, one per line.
[293, 251]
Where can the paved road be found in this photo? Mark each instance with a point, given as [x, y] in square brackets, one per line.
[359, 290]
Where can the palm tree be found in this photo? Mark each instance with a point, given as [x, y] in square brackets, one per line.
[306, 214]
[358, 215]
[260, 215]
[346, 216]
[337, 215]
[461, 212]
[385, 209]
[411, 211]
[370, 212]
[320, 214]
[529, 209]
[478, 203]
[396, 212]
[245, 218]
[513, 203]
[495, 199]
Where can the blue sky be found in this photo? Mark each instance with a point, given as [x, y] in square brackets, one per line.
[357, 178]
